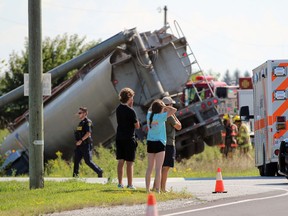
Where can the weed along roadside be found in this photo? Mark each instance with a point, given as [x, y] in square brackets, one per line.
[64, 195]
[200, 165]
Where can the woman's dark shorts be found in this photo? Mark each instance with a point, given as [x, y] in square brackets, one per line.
[170, 154]
[155, 146]
[126, 149]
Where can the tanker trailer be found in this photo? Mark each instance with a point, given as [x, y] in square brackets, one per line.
[154, 64]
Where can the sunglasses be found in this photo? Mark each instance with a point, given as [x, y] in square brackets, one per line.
[80, 113]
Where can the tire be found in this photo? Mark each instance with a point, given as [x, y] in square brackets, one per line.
[269, 169]
[199, 147]
[214, 139]
[188, 152]
[262, 169]
[185, 148]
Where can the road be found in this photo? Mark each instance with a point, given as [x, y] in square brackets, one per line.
[270, 203]
[245, 196]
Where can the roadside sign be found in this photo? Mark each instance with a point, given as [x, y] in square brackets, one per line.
[46, 85]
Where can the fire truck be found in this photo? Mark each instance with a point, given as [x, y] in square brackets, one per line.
[270, 84]
[235, 96]
[245, 98]
[205, 85]
[228, 99]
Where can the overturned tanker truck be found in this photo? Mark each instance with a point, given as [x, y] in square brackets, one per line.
[154, 64]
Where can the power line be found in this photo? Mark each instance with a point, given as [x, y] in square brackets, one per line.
[94, 10]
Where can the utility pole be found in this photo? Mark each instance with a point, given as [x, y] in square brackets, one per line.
[36, 137]
[165, 16]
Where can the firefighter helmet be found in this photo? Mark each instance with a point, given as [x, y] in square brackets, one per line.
[236, 118]
[226, 117]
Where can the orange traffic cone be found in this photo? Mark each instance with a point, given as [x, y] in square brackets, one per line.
[219, 187]
[151, 205]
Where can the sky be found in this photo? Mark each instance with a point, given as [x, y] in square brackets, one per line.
[223, 34]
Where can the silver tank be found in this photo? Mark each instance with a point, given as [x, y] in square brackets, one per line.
[94, 91]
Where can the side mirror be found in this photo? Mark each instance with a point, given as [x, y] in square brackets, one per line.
[245, 114]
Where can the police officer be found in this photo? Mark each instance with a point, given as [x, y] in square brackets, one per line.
[84, 145]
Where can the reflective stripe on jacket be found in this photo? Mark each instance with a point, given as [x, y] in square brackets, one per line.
[243, 137]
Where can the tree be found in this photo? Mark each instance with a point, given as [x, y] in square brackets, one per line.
[55, 52]
[247, 74]
[227, 77]
[214, 74]
[236, 76]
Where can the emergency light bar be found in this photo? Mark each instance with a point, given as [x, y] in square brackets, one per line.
[203, 78]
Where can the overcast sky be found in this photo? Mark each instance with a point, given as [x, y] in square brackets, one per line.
[223, 34]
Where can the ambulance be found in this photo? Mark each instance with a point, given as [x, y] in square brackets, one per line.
[270, 84]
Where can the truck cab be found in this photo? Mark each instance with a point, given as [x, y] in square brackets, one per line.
[201, 122]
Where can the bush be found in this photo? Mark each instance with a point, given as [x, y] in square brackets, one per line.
[103, 157]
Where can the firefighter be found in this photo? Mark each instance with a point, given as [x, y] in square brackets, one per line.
[243, 136]
[230, 136]
[194, 97]
[201, 92]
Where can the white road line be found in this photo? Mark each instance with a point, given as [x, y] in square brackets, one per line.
[228, 204]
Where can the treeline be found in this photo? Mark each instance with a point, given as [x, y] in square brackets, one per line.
[233, 79]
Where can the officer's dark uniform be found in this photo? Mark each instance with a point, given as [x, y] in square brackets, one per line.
[85, 149]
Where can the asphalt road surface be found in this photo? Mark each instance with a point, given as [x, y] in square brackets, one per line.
[245, 196]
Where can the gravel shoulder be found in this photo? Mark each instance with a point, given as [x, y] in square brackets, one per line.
[127, 210]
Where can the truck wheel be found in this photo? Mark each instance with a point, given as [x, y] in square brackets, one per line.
[262, 169]
[185, 147]
[271, 169]
[267, 169]
[199, 147]
[214, 139]
[188, 152]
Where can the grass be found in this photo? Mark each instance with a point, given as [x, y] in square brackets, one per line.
[16, 198]
[207, 163]
[200, 165]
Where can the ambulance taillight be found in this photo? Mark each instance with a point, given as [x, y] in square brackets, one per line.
[281, 122]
